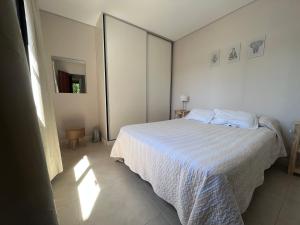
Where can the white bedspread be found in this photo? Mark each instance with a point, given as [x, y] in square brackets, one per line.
[207, 172]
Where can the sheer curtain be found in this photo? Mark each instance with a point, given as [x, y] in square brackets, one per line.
[25, 190]
[42, 92]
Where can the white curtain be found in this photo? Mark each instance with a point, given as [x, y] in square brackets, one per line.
[42, 92]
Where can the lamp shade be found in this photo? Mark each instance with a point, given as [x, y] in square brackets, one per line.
[184, 98]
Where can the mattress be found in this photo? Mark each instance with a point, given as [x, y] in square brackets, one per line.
[207, 172]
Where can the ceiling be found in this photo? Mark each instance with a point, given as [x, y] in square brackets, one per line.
[172, 19]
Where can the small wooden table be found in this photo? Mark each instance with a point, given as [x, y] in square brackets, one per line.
[180, 113]
[74, 135]
[295, 151]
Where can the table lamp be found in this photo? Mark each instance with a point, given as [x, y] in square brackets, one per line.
[184, 99]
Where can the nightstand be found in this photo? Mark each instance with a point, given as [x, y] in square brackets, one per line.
[180, 113]
[295, 151]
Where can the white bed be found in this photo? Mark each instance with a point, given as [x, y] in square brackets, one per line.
[207, 172]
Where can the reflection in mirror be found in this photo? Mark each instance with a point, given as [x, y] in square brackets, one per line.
[69, 75]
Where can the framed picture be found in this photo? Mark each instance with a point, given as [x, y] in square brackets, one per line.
[215, 58]
[256, 47]
[233, 53]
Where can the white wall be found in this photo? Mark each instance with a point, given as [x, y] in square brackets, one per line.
[70, 39]
[266, 85]
[70, 67]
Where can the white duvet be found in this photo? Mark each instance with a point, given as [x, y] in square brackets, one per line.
[207, 172]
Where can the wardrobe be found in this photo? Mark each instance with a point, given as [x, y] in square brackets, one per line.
[137, 76]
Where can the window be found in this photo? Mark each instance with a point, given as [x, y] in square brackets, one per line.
[75, 87]
[29, 43]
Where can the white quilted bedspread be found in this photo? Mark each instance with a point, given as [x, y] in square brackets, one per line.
[207, 172]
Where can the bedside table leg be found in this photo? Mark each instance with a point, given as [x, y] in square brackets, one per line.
[293, 157]
[73, 143]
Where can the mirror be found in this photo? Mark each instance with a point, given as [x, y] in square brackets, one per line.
[69, 75]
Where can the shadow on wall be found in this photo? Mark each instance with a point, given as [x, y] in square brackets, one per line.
[74, 121]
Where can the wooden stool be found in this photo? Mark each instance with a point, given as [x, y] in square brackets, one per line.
[295, 151]
[73, 135]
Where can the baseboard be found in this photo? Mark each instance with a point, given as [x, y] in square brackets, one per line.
[107, 143]
[64, 141]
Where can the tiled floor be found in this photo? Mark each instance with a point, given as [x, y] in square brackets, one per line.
[120, 197]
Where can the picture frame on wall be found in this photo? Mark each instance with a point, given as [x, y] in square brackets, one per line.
[215, 58]
[256, 47]
[233, 53]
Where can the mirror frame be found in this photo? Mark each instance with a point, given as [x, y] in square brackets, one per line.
[68, 60]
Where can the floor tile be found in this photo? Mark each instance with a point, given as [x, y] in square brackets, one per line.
[276, 182]
[159, 220]
[290, 213]
[69, 215]
[293, 194]
[295, 180]
[125, 199]
[264, 209]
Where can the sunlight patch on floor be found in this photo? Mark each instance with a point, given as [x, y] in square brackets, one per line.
[88, 188]
[81, 167]
[88, 191]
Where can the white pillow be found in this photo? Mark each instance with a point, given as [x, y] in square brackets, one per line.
[235, 118]
[202, 115]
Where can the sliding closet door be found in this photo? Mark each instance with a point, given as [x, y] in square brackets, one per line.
[125, 74]
[158, 79]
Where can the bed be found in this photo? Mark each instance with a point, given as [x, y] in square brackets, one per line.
[207, 172]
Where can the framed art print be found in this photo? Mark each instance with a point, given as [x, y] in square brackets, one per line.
[256, 47]
[233, 53]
